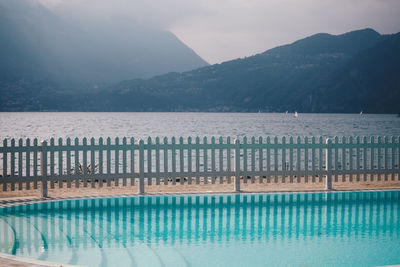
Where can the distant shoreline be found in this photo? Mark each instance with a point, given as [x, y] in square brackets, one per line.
[199, 112]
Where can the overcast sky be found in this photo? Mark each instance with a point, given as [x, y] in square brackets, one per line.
[220, 30]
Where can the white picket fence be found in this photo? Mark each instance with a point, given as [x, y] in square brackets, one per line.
[197, 161]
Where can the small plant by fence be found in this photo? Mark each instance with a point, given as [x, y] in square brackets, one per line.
[102, 162]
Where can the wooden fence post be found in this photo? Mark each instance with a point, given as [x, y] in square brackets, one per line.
[237, 165]
[328, 158]
[43, 167]
[141, 167]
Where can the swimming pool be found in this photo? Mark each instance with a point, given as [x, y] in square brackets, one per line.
[280, 229]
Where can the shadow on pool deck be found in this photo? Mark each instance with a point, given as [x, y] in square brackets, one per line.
[26, 196]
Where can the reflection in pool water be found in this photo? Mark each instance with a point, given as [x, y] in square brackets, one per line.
[311, 229]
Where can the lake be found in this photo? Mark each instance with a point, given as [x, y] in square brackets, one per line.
[44, 125]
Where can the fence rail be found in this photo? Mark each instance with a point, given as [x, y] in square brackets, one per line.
[195, 161]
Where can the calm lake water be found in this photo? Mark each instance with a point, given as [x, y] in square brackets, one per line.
[141, 125]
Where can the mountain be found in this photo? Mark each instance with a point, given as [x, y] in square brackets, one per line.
[321, 73]
[370, 81]
[343, 73]
[38, 45]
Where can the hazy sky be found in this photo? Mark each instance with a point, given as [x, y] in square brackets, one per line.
[220, 30]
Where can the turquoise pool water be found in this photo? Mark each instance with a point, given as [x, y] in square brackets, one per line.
[296, 229]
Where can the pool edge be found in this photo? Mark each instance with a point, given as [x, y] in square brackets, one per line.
[23, 260]
[50, 199]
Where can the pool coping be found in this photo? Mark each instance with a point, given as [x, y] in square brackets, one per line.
[34, 261]
[24, 201]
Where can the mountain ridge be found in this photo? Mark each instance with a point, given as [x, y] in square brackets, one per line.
[314, 74]
[249, 83]
[37, 44]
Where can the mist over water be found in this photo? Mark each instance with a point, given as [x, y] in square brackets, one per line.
[142, 125]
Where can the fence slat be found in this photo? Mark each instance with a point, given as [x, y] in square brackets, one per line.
[84, 162]
[245, 167]
[328, 185]
[351, 159]
[12, 167]
[253, 158]
[181, 160]
[101, 166]
[398, 157]
[221, 160]
[108, 164]
[35, 163]
[268, 159]
[284, 169]
[358, 158]
[386, 141]
[228, 158]
[393, 155]
[69, 162]
[291, 164]
[298, 165]
[379, 156]
[365, 151]
[44, 168]
[149, 165]
[132, 150]
[28, 163]
[157, 151]
[321, 155]
[372, 158]
[306, 159]
[52, 162]
[336, 158]
[276, 152]
[60, 163]
[124, 160]
[141, 166]
[237, 165]
[92, 163]
[116, 161]
[313, 159]
[77, 171]
[212, 149]
[205, 160]
[173, 159]
[5, 171]
[165, 161]
[344, 162]
[20, 165]
[260, 158]
[197, 159]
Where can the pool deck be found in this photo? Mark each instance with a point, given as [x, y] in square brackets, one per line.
[27, 196]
